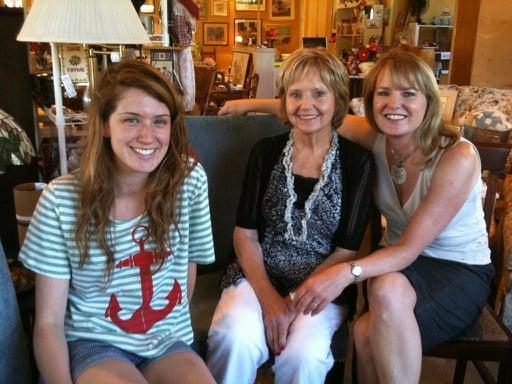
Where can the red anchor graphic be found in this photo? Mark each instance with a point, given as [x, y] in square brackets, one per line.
[145, 316]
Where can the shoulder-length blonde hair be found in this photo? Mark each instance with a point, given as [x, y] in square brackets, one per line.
[97, 171]
[407, 70]
[331, 70]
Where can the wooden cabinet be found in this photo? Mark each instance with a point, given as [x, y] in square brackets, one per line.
[439, 38]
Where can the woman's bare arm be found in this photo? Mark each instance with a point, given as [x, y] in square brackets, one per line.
[354, 128]
[244, 106]
[50, 346]
[191, 279]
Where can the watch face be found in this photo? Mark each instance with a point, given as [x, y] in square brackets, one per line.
[357, 270]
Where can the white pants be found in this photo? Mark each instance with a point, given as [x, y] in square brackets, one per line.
[237, 345]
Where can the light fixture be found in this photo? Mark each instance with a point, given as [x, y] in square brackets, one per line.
[79, 22]
[147, 8]
[239, 39]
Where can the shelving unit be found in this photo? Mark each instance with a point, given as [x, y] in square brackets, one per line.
[438, 37]
[353, 28]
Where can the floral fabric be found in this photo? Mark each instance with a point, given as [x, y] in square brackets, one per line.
[482, 107]
[15, 146]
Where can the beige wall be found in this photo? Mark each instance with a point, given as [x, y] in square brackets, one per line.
[492, 62]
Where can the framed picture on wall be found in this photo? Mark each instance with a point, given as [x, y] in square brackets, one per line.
[249, 5]
[165, 60]
[220, 8]
[278, 34]
[203, 8]
[282, 9]
[215, 33]
[240, 65]
[248, 29]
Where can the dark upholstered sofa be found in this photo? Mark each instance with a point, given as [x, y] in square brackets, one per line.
[14, 363]
[222, 146]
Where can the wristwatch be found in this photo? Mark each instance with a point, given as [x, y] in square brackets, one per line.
[356, 270]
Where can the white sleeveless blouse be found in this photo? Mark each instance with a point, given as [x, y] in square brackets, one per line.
[464, 239]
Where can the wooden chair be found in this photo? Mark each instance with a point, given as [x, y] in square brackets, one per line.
[222, 91]
[488, 339]
[251, 85]
[205, 76]
[208, 51]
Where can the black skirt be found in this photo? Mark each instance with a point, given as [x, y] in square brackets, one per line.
[450, 296]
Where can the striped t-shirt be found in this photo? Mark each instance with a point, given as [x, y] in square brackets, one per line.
[139, 312]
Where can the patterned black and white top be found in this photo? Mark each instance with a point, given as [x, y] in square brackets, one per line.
[339, 213]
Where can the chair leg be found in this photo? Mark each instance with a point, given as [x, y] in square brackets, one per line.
[354, 365]
[504, 372]
[460, 371]
[484, 372]
[336, 374]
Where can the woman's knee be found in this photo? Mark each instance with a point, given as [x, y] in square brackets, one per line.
[362, 334]
[231, 331]
[306, 359]
[391, 293]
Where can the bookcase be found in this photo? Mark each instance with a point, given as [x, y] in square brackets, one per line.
[355, 27]
[437, 37]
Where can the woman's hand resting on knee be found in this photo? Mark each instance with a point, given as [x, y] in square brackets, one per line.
[277, 317]
[321, 288]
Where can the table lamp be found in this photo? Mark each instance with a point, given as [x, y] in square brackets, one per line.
[79, 22]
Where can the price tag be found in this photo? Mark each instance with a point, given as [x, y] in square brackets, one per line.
[68, 85]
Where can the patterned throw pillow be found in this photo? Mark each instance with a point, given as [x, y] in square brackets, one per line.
[15, 146]
[494, 120]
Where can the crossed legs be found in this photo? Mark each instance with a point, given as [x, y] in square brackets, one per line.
[387, 338]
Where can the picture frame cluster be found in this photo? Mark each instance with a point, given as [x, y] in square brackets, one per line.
[217, 31]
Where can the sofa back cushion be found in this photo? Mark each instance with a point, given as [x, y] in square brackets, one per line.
[222, 145]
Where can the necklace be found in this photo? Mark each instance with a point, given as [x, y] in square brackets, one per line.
[292, 196]
[398, 172]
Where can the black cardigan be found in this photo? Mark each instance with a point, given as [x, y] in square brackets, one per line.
[357, 177]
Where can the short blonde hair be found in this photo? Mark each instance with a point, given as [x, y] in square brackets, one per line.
[331, 70]
[407, 69]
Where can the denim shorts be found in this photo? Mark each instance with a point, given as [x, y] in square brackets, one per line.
[83, 354]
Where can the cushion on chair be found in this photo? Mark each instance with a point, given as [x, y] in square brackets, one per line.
[222, 146]
[205, 298]
[487, 332]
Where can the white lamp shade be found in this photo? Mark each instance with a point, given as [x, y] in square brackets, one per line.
[83, 22]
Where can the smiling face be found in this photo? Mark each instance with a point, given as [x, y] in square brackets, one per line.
[139, 131]
[310, 104]
[400, 110]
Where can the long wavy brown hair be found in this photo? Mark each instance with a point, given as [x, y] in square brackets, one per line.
[97, 171]
[408, 70]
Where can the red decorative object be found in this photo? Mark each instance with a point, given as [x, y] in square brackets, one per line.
[363, 54]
